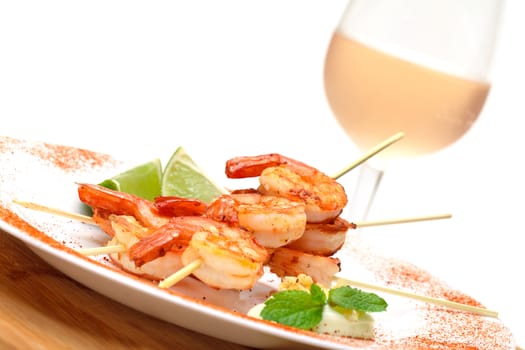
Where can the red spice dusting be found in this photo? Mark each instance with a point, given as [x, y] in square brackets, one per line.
[69, 158]
[419, 342]
[7, 143]
[441, 328]
[14, 220]
[459, 297]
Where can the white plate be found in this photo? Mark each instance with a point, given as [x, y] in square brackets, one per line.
[46, 174]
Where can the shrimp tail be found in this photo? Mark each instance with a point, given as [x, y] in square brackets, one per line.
[166, 238]
[120, 203]
[101, 218]
[223, 209]
[179, 206]
[252, 166]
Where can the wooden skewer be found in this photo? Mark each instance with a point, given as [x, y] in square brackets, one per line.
[89, 220]
[180, 275]
[373, 151]
[430, 300]
[30, 205]
[108, 249]
[119, 249]
[402, 220]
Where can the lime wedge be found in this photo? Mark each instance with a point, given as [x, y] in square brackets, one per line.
[184, 178]
[142, 180]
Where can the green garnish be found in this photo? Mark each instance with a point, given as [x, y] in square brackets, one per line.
[354, 299]
[302, 309]
[296, 308]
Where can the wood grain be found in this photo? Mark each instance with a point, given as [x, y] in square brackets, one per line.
[41, 308]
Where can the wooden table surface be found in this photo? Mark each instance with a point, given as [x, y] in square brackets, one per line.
[41, 308]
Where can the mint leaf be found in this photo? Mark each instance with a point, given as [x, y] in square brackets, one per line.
[355, 299]
[317, 294]
[296, 308]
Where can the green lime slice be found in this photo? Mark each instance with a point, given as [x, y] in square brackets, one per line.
[184, 178]
[142, 180]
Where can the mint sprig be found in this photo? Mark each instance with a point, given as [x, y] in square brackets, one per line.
[304, 310]
[296, 308]
[355, 299]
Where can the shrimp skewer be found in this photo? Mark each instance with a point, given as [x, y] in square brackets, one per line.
[281, 176]
[158, 243]
[127, 219]
[127, 231]
[292, 193]
[229, 256]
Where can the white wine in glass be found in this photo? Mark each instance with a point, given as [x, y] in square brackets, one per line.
[420, 67]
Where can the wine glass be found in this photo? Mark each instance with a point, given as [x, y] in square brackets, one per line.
[411, 66]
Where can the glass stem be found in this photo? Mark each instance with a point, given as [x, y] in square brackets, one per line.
[368, 182]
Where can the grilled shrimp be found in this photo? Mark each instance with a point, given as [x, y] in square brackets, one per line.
[281, 176]
[230, 257]
[290, 262]
[273, 221]
[128, 219]
[323, 239]
[128, 231]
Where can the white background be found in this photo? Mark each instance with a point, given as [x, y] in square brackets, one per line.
[227, 78]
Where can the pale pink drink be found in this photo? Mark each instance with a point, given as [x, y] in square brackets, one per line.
[373, 95]
[411, 66]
